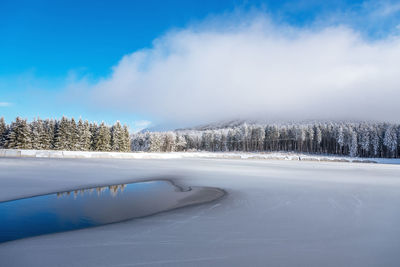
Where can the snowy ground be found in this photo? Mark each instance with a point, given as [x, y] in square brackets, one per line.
[276, 213]
[200, 154]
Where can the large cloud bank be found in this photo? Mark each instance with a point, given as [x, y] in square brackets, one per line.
[260, 70]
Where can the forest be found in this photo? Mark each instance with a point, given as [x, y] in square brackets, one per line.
[64, 134]
[355, 139]
[360, 139]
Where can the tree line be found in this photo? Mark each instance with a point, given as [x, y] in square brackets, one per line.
[64, 134]
[339, 138]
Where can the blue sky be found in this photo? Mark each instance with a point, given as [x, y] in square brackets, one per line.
[44, 45]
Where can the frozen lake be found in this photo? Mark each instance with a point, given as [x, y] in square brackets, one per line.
[276, 213]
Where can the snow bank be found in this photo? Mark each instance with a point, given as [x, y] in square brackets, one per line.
[177, 155]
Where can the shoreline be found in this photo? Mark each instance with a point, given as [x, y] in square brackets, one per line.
[22, 153]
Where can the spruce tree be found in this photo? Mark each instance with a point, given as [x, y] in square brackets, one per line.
[19, 135]
[73, 135]
[38, 134]
[84, 135]
[126, 139]
[390, 141]
[353, 144]
[3, 132]
[93, 135]
[48, 137]
[61, 135]
[103, 138]
[117, 137]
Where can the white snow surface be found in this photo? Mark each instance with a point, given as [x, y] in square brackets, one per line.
[180, 155]
[276, 213]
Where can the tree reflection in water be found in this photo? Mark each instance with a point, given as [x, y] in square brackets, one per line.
[114, 189]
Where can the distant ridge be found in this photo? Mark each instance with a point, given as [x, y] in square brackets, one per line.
[238, 122]
[218, 125]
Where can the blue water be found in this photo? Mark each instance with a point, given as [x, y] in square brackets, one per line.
[83, 208]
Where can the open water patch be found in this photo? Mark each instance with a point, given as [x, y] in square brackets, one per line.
[82, 208]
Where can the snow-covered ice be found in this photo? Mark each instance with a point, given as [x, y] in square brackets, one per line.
[276, 213]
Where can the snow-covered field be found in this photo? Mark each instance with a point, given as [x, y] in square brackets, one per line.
[201, 154]
[276, 213]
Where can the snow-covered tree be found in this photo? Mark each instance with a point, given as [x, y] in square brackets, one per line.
[3, 132]
[169, 142]
[230, 140]
[126, 139]
[340, 139]
[180, 143]
[257, 138]
[353, 144]
[224, 140]
[364, 140]
[375, 142]
[156, 142]
[244, 139]
[38, 135]
[317, 138]
[310, 138]
[73, 136]
[103, 138]
[19, 135]
[84, 136]
[207, 140]
[390, 140]
[47, 138]
[398, 141]
[117, 137]
[61, 135]
[141, 141]
[93, 134]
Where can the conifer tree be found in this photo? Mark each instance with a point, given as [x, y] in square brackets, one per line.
[155, 142]
[390, 141]
[93, 135]
[169, 142]
[317, 138]
[180, 143]
[19, 135]
[61, 136]
[48, 137]
[375, 142]
[117, 141]
[84, 135]
[103, 138]
[364, 140]
[126, 139]
[38, 134]
[73, 136]
[353, 144]
[3, 132]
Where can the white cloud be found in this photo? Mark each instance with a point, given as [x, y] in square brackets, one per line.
[5, 104]
[256, 69]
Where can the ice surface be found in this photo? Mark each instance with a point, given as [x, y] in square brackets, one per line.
[276, 213]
